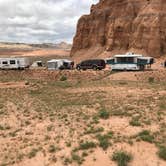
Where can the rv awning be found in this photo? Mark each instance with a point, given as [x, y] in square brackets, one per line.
[128, 56]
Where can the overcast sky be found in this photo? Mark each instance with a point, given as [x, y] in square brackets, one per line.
[38, 21]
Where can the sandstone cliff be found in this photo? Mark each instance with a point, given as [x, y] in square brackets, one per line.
[122, 25]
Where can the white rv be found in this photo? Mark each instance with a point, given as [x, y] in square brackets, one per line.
[129, 61]
[60, 64]
[14, 63]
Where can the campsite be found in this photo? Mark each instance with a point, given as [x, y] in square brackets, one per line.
[60, 115]
[123, 62]
[75, 117]
[83, 83]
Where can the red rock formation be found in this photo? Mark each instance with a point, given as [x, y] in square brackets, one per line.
[123, 25]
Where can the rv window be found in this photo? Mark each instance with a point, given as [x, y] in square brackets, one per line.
[142, 61]
[4, 62]
[130, 60]
[125, 60]
[12, 62]
[84, 63]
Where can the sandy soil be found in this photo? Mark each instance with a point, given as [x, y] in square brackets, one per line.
[45, 52]
[12, 85]
[34, 53]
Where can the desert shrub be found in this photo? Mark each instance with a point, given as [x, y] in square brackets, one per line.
[67, 161]
[77, 158]
[93, 130]
[104, 114]
[1, 105]
[68, 144]
[135, 122]
[146, 136]
[50, 127]
[151, 79]
[123, 83]
[104, 140]
[1, 127]
[63, 78]
[95, 119]
[32, 153]
[87, 145]
[35, 92]
[4, 127]
[162, 152]
[52, 149]
[84, 154]
[122, 158]
[162, 105]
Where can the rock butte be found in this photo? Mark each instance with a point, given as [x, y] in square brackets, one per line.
[122, 25]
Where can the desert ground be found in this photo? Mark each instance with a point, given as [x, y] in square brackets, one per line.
[89, 118]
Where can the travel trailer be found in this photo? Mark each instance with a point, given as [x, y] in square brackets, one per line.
[129, 61]
[60, 64]
[14, 63]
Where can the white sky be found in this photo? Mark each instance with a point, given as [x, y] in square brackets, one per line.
[39, 21]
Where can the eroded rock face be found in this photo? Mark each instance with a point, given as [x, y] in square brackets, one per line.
[123, 25]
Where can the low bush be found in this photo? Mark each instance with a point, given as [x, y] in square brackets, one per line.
[93, 130]
[135, 122]
[87, 145]
[52, 149]
[63, 78]
[162, 152]
[151, 79]
[104, 114]
[104, 140]
[32, 153]
[77, 158]
[122, 158]
[146, 136]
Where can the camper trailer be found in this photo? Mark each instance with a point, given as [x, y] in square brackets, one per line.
[14, 63]
[129, 61]
[60, 64]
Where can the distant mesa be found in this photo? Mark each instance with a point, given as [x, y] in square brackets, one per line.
[62, 45]
[122, 25]
[45, 49]
[24, 46]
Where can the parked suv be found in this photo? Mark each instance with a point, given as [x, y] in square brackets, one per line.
[95, 64]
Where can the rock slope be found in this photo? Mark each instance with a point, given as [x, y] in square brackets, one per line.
[126, 25]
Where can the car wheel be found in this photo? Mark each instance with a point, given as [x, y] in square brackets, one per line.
[78, 68]
[94, 68]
